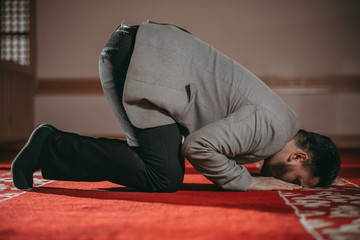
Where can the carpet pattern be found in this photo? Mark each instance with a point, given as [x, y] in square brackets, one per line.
[200, 210]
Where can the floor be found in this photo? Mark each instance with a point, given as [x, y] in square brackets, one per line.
[200, 210]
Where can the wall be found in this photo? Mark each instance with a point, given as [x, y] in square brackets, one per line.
[271, 38]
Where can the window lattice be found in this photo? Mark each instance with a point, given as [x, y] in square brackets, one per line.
[15, 31]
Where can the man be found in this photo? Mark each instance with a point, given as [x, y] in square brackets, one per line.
[163, 84]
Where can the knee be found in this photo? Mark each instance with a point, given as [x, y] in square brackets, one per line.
[172, 185]
[175, 178]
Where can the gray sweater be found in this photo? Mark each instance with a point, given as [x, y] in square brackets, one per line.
[229, 116]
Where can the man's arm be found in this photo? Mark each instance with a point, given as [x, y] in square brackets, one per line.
[210, 148]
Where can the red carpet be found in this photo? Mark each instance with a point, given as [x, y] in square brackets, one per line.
[200, 210]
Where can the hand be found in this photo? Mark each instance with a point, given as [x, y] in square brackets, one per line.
[270, 183]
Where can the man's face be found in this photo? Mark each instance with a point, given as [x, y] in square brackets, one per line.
[292, 172]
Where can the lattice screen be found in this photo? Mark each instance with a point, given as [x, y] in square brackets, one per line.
[15, 31]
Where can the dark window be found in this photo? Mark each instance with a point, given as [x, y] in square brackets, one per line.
[15, 31]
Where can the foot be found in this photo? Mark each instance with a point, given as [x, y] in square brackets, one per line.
[27, 161]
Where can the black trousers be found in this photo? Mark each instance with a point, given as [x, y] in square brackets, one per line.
[150, 159]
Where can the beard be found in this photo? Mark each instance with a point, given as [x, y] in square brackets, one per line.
[277, 170]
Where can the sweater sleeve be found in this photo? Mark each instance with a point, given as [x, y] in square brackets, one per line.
[211, 148]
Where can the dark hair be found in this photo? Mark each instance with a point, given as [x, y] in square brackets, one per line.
[323, 155]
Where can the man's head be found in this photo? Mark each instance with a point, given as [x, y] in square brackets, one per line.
[309, 159]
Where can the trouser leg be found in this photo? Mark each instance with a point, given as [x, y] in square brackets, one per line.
[155, 165]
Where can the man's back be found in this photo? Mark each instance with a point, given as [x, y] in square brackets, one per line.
[186, 80]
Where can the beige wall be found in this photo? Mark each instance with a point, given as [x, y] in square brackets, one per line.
[271, 38]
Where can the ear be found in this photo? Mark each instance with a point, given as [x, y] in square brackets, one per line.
[298, 157]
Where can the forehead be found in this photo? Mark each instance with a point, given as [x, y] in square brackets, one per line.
[310, 181]
[303, 176]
